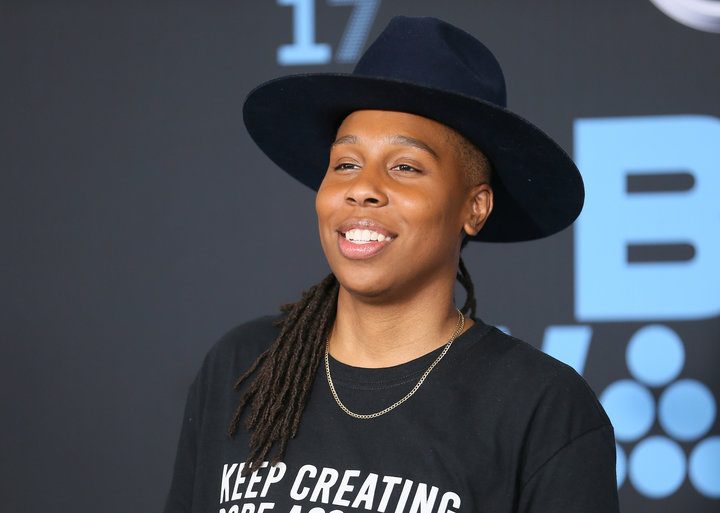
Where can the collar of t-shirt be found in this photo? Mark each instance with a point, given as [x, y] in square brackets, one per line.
[364, 378]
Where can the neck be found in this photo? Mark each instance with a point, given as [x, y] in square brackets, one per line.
[368, 334]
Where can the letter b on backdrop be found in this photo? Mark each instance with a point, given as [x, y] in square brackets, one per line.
[647, 245]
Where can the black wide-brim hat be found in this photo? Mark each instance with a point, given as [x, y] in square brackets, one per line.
[427, 67]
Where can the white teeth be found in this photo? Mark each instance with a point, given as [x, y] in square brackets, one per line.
[358, 236]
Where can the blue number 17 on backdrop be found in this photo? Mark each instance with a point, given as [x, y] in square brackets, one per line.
[305, 50]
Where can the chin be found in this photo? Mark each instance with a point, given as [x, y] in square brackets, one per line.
[364, 284]
[378, 289]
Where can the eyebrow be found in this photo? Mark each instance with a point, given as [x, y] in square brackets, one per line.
[404, 140]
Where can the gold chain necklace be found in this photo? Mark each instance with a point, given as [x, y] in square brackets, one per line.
[365, 416]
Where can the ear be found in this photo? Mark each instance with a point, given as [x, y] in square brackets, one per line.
[479, 208]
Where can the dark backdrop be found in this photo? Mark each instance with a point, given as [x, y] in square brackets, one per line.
[139, 223]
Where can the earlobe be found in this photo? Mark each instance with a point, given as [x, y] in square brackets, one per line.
[481, 204]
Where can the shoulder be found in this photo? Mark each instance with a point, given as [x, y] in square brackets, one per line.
[211, 395]
[239, 347]
[526, 371]
[538, 394]
[548, 402]
[254, 335]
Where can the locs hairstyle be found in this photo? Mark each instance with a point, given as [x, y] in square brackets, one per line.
[284, 373]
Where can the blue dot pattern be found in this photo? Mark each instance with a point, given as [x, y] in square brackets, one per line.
[655, 355]
[686, 410]
[705, 467]
[657, 465]
[631, 409]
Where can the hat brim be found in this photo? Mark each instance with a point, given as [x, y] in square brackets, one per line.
[537, 188]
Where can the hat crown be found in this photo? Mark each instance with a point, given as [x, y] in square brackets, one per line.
[430, 52]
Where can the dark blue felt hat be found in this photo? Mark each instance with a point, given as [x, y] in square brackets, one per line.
[427, 67]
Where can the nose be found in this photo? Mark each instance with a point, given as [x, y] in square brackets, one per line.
[367, 189]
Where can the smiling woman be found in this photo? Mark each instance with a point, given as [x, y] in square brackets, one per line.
[398, 175]
[374, 392]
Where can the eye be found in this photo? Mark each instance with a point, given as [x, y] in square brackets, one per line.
[344, 166]
[407, 168]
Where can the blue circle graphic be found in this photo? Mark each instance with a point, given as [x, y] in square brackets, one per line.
[620, 465]
[657, 467]
[687, 410]
[631, 409]
[705, 467]
[655, 355]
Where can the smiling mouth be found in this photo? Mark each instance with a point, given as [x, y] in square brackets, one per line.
[362, 243]
[364, 236]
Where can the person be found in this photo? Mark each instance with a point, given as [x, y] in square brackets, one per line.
[374, 392]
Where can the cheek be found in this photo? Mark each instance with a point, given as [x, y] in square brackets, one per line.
[327, 201]
[321, 200]
[433, 215]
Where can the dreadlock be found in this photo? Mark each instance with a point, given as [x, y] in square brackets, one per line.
[463, 276]
[284, 373]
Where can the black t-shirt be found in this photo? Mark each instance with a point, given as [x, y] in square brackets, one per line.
[497, 427]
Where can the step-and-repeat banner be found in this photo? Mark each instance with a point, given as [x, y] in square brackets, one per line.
[146, 222]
